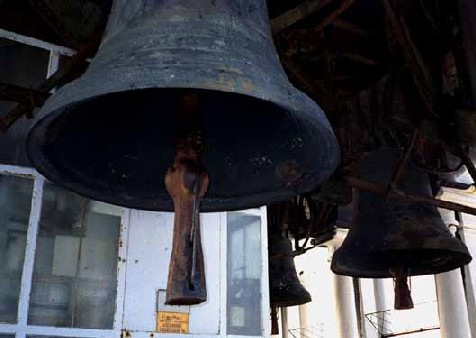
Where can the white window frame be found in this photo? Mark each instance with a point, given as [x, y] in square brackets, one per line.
[265, 316]
[21, 329]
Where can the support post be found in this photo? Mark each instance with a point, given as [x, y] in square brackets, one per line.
[452, 305]
[345, 307]
[284, 322]
[346, 314]
[303, 310]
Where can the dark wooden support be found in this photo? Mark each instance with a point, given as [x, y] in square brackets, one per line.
[350, 27]
[187, 182]
[399, 170]
[345, 4]
[413, 58]
[10, 92]
[73, 68]
[296, 14]
[467, 13]
[399, 195]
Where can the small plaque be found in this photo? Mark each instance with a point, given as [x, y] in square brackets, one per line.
[172, 322]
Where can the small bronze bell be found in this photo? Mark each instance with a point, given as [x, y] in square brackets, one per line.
[285, 289]
[397, 238]
[192, 91]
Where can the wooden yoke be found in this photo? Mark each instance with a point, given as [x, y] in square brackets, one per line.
[187, 182]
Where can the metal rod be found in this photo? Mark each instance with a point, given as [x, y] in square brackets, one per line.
[409, 332]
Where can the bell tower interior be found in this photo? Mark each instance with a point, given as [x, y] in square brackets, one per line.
[237, 168]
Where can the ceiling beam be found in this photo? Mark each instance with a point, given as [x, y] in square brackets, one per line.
[10, 92]
[326, 21]
[296, 14]
[351, 28]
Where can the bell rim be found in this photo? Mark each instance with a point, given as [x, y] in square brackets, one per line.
[36, 137]
[352, 268]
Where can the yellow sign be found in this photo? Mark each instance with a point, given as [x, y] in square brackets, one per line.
[172, 322]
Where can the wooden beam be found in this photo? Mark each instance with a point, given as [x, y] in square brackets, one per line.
[296, 14]
[413, 58]
[76, 65]
[345, 4]
[9, 92]
[305, 9]
[358, 58]
[402, 196]
[350, 27]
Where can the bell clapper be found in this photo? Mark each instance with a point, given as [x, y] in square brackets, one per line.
[274, 320]
[403, 298]
[187, 182]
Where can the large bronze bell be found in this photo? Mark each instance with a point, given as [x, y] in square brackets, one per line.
[285, 289]
[192, 91]
[111, 134]
[397, 238]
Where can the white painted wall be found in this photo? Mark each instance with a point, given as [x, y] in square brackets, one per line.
[149, 248]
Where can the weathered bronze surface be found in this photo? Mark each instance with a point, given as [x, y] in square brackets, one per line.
[110, 134]
[397, 234]
[285, 289]
[284, 286]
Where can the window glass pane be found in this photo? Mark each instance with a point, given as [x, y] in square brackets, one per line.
[243, 274]
[15, 204]
[23, 66]
[74, 279]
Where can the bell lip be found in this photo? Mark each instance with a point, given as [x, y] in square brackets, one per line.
[36, 136]
[351, 268]
[304, 296]
[290, 303]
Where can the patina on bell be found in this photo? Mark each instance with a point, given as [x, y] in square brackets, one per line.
[392, 237]
[110, 135]
[285, 289]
